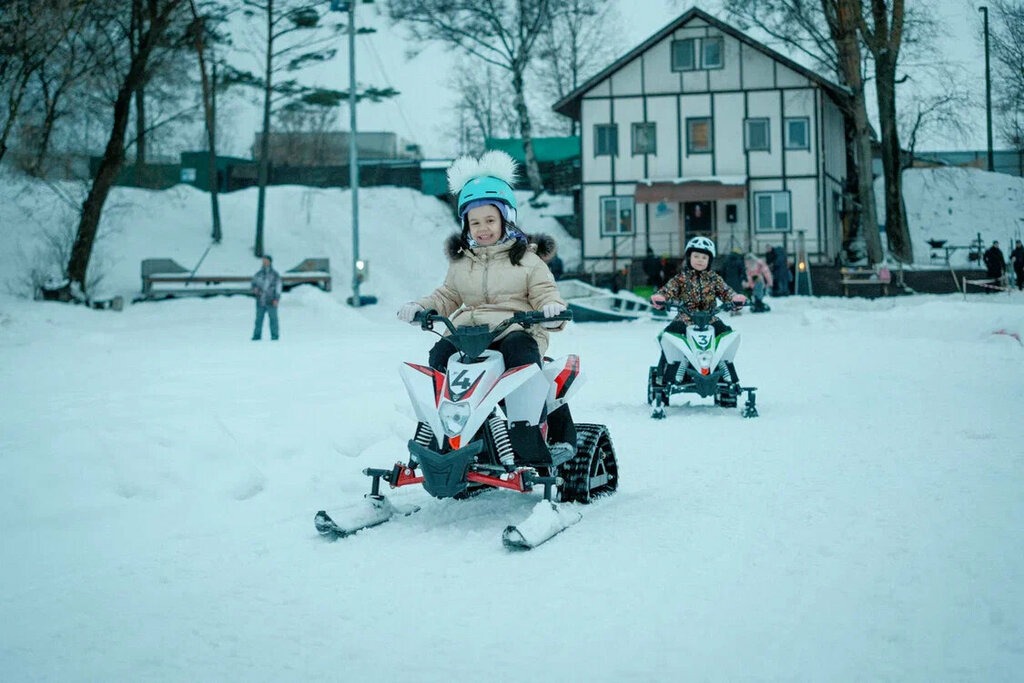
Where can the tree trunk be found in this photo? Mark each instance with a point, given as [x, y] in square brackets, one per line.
[110, 166]
[532, 169]
[37, 167]
[884, 41]
[895, 220]
[264, 161]
[113, 155]
[210, 112]
[843, 17]
[140, 100]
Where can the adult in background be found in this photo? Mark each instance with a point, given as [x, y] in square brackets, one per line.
[555, 265]
[653, 269]
[1017, 259]
[995, 265]
[266, 286]
[733, 271]
[778, 264]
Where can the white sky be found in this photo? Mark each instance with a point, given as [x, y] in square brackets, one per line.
[424, 114]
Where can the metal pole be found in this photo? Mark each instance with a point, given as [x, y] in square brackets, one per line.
[353, 152]
[988, 95]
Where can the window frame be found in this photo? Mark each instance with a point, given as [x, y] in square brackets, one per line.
[614, 127]
[772, 194]
[721, 52]
[711, 135]
[652, 139]
[787, 141]
[619, 200]
[767, 134]
[694, 65]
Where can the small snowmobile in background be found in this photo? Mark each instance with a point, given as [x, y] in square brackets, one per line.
[484, 426]
[698, 362]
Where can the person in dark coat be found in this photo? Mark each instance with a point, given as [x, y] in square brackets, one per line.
[1017, 259]
[652, 269]
[995, 265]
[266, 286]
[556, 266]
[775, 257]
[734, 272]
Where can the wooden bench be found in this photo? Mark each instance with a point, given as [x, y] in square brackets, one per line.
[859, 277]
[157, 274]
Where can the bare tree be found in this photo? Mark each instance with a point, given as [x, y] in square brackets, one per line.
[933, 113]
[578, 41]
[1007, 48]
[826, 31]
[482, 105]
[158, 17]
[289, 41]
[29, 35]
[203, 31]
[882, 30]
[498, 33]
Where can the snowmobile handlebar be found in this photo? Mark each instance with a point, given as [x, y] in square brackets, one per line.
[472, 340]
[427, 318]
[681, 307]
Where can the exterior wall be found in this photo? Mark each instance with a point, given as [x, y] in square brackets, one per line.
[750, 84]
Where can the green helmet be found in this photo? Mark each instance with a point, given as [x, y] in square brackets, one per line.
[486, 188]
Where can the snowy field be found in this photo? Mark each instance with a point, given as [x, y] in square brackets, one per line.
[160, 473]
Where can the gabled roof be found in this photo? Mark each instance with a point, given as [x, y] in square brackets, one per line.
[570, 104]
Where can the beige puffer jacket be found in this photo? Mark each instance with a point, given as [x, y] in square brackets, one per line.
[483, 287]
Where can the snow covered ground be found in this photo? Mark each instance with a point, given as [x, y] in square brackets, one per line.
[159, 473]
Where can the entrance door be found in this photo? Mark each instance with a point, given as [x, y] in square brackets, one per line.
[698, 219]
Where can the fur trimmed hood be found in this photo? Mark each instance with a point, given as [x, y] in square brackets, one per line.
[541, 244]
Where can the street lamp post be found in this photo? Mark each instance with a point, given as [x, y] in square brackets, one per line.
[988, 95]
[353, 151]
[358, 265]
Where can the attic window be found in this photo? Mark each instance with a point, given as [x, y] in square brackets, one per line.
[691, 54]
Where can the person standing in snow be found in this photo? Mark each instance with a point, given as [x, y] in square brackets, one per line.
[697, 287]
[995, 265]
[778, 264]
[495, 271]
[758, 282]
[733, 271]
[266, 286]
[1017, 259]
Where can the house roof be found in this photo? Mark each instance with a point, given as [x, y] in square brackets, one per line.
[544, 149]
[570, 104]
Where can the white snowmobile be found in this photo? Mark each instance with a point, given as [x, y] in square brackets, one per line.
[698, 363]
[482, 425]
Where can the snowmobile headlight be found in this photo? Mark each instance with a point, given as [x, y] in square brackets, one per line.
[454, 417]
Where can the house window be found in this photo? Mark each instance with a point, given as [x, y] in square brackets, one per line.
[773, 212]
[698, 136]
[606, 140]
[644, 139]
[616, 216]
[796, 133]
[684, 55]
[756, 135]
[711, 53]
[690, 54]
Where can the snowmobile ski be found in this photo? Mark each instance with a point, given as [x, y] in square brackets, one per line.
[375, 511]
[547, 520]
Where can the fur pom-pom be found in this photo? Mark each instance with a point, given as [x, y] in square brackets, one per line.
[495, 163]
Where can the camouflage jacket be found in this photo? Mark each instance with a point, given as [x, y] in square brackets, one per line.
[697, 289]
